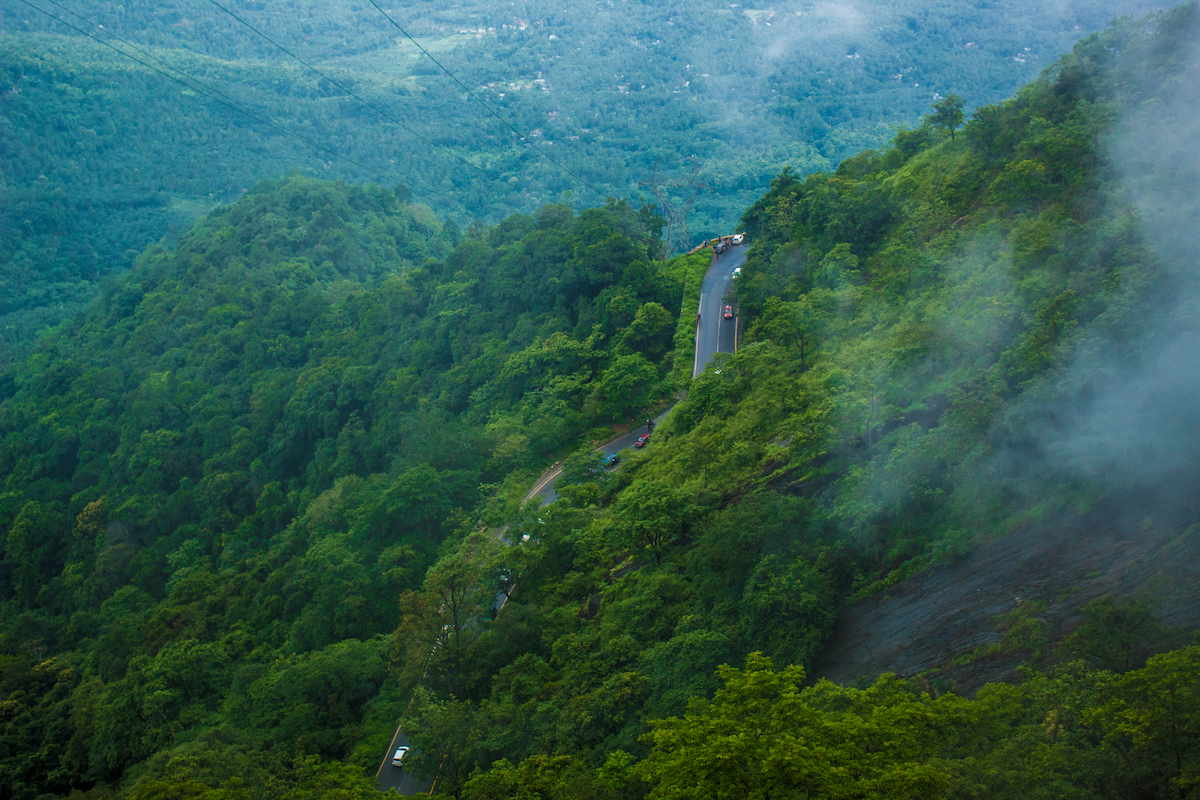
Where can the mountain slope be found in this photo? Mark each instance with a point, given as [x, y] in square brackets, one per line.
[226, 472]
[253, 497]
[968, 334]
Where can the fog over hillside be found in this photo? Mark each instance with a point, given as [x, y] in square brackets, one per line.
[1125, 412]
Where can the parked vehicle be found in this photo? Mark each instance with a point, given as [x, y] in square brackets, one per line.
[738, 238]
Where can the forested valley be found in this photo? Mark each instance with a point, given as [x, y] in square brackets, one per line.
[101, 156]
[263, 498]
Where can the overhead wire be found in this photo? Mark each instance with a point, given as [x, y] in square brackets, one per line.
[231, 104]
[468, 90]
[134, 47]
[195, 84]
[348, 91]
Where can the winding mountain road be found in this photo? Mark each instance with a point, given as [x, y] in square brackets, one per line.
[544, 488]
[395, 778]
[714, 334]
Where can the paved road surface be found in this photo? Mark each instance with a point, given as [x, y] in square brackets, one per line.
[714, 333]
[545, 486]
[389, 777]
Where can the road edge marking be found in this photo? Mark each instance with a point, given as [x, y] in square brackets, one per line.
[542, 483]
[390, 749]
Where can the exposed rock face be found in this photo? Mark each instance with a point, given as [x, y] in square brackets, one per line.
[1145, 539]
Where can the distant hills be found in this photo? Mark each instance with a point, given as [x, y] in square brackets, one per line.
[103, 157]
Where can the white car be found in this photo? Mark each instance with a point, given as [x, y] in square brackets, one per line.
[398, 758]
[737, 272]
[738, 237]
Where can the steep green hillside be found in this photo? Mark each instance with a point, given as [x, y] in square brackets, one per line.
[238, 459]
[254, 496]
[956, 337]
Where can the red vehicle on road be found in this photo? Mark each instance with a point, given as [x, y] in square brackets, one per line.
[728, 312]
[641, 442]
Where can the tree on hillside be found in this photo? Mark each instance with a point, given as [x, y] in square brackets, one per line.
[763, 736]
[583, 466]
[652, 515]
[948, 113]
[440, 624]
[625, 388]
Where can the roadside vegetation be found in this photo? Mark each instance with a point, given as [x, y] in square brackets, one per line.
[253, 495]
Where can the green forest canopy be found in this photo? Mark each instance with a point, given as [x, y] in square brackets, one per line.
[242, 490]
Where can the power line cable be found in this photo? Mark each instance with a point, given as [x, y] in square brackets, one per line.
[489, 109]
[134, 47]
[230, 105]
[233, 104]
[371, 106]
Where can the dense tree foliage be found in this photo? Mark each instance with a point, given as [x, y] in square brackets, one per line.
[1072, 733]
[222, 478]
[912, 317]
[264, 497]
